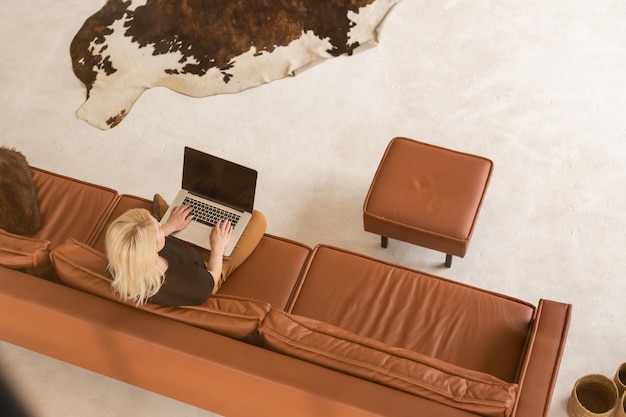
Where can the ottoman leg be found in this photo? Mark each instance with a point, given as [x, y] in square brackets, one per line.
[448, 260]
[384, 241]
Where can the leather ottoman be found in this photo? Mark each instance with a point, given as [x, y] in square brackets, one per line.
[427, 195]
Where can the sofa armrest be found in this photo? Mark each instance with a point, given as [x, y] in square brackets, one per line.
[546, 347]
[26, 254]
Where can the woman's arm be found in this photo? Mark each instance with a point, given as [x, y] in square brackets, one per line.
[219, 238]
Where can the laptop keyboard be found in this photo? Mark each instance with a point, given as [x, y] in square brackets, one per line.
[207, 214]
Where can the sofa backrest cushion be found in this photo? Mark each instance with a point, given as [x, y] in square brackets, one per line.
[84, 268]
[25, 254]
[70, 208]
[402, 369]
[125, 203]
[448, 320]
[270, 273]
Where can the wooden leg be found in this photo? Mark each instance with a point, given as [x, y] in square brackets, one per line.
[384, 241]
[448, 260]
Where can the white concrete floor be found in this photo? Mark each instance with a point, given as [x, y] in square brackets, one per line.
[539, 87]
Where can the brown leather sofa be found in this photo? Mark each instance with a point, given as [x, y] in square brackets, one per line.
[295, 331]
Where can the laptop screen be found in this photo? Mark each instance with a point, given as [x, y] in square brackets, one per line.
[219, 180]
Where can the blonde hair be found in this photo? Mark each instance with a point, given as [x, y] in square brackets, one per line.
[131, 246]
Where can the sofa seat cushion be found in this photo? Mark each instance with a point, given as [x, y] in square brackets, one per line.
[457, 323]
[84, 268]
[25, 254]
[270, 273]
[402, 369]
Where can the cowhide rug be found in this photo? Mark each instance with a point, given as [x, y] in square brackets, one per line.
[208, 47]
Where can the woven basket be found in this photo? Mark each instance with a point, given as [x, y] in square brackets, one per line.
[593, 396]
[621, 407]
[620, 378]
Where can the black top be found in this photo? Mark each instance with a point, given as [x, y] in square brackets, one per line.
[187, 282]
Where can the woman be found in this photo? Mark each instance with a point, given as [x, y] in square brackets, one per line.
[147, 265]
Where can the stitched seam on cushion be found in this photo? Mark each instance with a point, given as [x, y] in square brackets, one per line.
[89, 249]
[420, 229]
[18, 252]
[223, 313]
[25, 252]
[68, 261]
[245, 315]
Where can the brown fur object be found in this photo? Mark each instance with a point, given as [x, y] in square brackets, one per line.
[19, 207]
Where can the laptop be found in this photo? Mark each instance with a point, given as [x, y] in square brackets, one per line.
[216, 189]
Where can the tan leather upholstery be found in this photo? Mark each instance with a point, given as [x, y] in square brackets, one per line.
[169, 351]
[270, 273]
[26, 254]
[70, 208]
[189, 364]
[324, 344]
[430, 315]
[427, 195]
[84, 268]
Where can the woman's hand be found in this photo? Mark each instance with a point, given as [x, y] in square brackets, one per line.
[220, 236]
[180, 217]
